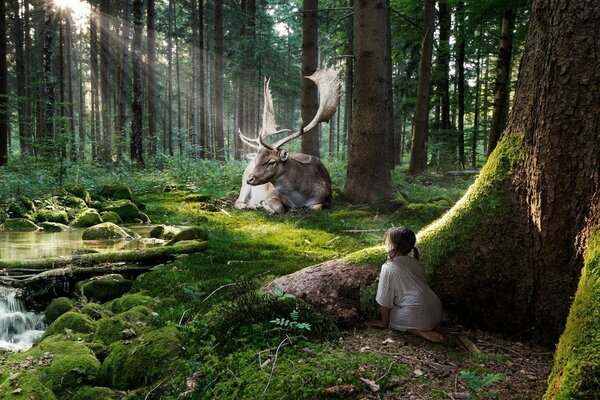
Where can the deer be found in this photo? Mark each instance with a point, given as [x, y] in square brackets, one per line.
[292, 180]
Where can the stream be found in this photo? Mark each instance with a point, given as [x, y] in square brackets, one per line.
[19, 328]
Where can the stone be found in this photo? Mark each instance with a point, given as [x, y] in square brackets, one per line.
[72, 321]
[58, 307]
[87, 218]
[126, 209]
[53, 215]
[104, 288]
[19, 225]
[191, 233]
[78, 191]
[53, 227]
[111, 216]
[164, 232]
[105, 231]
[116, 192]
[332, 287]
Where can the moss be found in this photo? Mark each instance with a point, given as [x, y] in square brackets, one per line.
[144, 218]
[78, 191]
[197, 198]
[126, 209]
[104, 288]
[94, 393]
[144, 361]
[105, 231]
[163, 232]
[70, 371]
[73, 204]
[130, 301]
[87, 218]
[73, 321]
[369, 256]
[95, 311]
[26, 385]
[58, 307]
[576, 367]
[110, 329]
[192, 233]
[3, 215]
[111, 216]
[22, 207]
[116, 192]
[442, 238]
[20, 225]
[53, 227]
[59, 216]
[369, 309]
[136, 314]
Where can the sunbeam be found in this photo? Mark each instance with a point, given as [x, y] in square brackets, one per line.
[77, 7]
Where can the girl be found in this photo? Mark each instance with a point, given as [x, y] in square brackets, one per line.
[406, 301]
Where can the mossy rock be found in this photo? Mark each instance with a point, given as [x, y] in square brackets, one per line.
[144, 218]
[420, 211]
[73, 321]
[94, 393]
[104, 288]
[168, 302]
[74, 202]
[110, 329]
[70, 371]
[105, 231]
[129, 301]
[126, 209]
[131, 232]
[58, 307]
[95, 311]
[136, 314]
[164, 232]
[155, 355]
[116, 192]
[191, 233]
[3, 215]
[26, 385]
[87, 218]
[78, 191]
[111, 216]
[22, 207]
[19, 225]
[48, 215]
[54, 227]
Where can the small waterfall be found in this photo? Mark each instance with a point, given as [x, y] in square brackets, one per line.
[19, 328]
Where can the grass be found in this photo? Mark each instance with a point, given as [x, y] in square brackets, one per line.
[225, 321]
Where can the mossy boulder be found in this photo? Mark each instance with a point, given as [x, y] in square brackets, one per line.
[144, 218]
[116, 192]
[19, 225]
[144, 361]
[87, 218]
[191, 233]
[164, 232]
[95, 311]
[110, 329]
[78, 191]
[22, 207]
[105, 231]
[129, 301]
[53, 215]
[104, 288]
[126, 209]
[26, 385]
[111, 216]
[131, 233]
[136, 314]
[577, 359]
[58, 307]
[53, 227]
[74, 202]
[71, 370]
[72, 321]
[94, 393]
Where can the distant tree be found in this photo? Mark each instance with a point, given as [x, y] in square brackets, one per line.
[124, 82]
[105, 92]
[95, 100]
[151, 77]
[168, 134]
[310, 63]
[137, 155]
[418, 154]
[368, 177]
[23, 117]
[47, 117]
[220, 142]
[4, 123]
[460, 79]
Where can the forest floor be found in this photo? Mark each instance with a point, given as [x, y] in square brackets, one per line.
[513, 369]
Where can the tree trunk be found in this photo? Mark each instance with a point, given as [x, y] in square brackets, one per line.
[70, 97]
[105, 60]
[123, 83]
[24, 132]
[460, 61]
[168, 134]
[81, 114]
[368, 177]
[180, 136]
[502, 86]
[136, 153]
[418, 151]
[220, 142]
[348, 88]
[201, 84]
[509, 255]
[444, 135]
[151, 78]
[310, 63]
[4, 121]
[94, 85]
[49, 85]
[475, 135]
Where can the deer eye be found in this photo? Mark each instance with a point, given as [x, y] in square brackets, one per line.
[271, 163]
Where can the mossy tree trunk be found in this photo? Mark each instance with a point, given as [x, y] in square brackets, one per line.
[508, 256]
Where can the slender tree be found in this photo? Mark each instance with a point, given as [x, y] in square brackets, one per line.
[48, 98]
[418, 152]
[220, 142]
[310, 63]
[69, 81]
[105, 92]
[136, 153]
[95, 101]
[368, 177]
[460, 80]
[124, 83]
[4, 123]
[151, 77]
[18, 32]
[168, 133]
[202, 134]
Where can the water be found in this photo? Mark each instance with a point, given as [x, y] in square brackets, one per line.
[19, 328]
[36, 245]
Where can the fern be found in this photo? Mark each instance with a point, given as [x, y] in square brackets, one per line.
[476, 383]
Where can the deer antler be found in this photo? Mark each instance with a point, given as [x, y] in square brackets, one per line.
[328, 82]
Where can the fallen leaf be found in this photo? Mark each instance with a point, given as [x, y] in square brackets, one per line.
[365, 348]
[418, 372]
[388, 340]
[17, 391]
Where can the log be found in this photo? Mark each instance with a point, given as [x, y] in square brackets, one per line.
[153, 255]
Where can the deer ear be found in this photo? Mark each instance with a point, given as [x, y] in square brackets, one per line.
[283, 155]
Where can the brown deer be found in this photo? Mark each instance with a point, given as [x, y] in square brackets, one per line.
[293, 180]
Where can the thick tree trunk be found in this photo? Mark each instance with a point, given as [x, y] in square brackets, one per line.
[418, 151]
[460, 81]
[501, 90]
[368, 177]
[509, 255]
[4, 122]
[95, 120]
[124, 83]
[348, 84]
[136, 153]
[106, 151]
[70, 97]
[310, 63]
[220, 142]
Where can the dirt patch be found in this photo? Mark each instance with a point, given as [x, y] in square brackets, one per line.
[435, 369]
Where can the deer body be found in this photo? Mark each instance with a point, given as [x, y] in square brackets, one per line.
[292, 181]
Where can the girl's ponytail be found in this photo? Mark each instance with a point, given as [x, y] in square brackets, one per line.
[416, 253]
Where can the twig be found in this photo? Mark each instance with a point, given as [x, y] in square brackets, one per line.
[219, 288]
[159, 383]
[275, 362]
[182, 315]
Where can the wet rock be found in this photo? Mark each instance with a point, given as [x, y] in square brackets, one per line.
[105, 231]
[111, 216]
[53, 215]
[87, 218]
[126, 209]
[53, 227]
[116, 192]
[191, 233]
[72, 321]
[22, 207]
[19, 225]
[58, 307]
[164, 232]
[104, 288]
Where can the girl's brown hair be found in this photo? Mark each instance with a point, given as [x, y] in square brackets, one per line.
[403, 242]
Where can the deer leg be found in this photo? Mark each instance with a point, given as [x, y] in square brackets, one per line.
[273, 205]
[317, 207]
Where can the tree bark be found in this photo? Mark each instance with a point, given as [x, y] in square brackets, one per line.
[49, 85]
[168, 134]
[460, 66]
[124, 82]
[95, 128]
[220, 142]
[368, 177]
[202, 133]
[136, 153]
[151, 78]
[4, 122]
[18, 32]
[105, 10]
[418, 151]
[348, 88]
[502, 86]
[509, 256]
[70, 97]
[310, 63]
